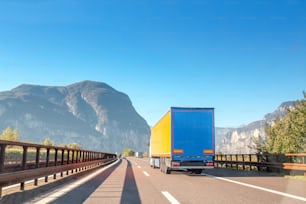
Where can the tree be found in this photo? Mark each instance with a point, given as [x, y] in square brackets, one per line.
[63, 145]
[9, 134]
[288, 134]
[47, 142]
[74, 146]
[128, 152]
[258, 144]
[71, 145]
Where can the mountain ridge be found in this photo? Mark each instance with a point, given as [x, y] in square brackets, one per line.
[238, 140]
[67, 113]
[98, 117]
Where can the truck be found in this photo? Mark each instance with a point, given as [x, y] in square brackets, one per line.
[183, 139]
[138, 154]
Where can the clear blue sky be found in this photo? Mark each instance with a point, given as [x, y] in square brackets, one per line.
[244, 58]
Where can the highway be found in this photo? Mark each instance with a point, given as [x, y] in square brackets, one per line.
[132, 180]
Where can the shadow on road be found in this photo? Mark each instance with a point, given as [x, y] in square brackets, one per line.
[130, 191]
[81, 193]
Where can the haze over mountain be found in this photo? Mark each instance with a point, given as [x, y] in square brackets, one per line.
[238, 140]
[98, 117]
[92, 114]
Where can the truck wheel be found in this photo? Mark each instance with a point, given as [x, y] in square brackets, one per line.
[153, 164]
[168, 171]
[198, 171]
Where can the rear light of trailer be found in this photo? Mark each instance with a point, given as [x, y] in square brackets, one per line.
[208, 151]
[175, 164]
[209, 164]
[178, 151]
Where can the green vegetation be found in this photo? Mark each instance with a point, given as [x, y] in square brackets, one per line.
[128, 152]
[47, 142]
[303, 178]
[9, 134]
[288, 134]
[13, 135]
[258, 144]
[71, 145]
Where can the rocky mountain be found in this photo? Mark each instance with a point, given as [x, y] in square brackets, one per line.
[89, 113]
[238, 140]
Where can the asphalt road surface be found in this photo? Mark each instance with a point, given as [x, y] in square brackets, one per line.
[132, 180]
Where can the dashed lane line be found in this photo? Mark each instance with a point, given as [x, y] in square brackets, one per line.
[146, 173]
[170, 198]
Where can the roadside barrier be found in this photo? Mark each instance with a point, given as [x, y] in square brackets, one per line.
[262, 162]
[21, 162]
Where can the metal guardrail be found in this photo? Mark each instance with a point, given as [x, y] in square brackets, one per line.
[43, 161]
[262, 162]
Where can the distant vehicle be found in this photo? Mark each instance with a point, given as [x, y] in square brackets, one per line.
[183, 139]
[139, 154]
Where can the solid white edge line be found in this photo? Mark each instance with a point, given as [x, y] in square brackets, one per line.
[259, 188]
[146, 173]
[170, 197]
[65, 189]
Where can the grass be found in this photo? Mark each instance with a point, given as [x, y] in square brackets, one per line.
[303, 178]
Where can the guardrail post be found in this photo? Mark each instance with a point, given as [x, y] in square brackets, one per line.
[77, 159]
[47, 162]
[258, 162]
[83, 160]
[243, 164]
[36, 164]
[237, 165]
[72, 160]
[2, 158]
[267, 160]
[68, 153]
[87, 158]
[250, 160]
[303, 158]
[55, 161]
[24, 164]
[24, 157]
[62, 160]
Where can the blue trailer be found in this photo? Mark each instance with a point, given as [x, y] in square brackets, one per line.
[183, 139]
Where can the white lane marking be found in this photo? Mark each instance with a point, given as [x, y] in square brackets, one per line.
[65, 189]
[259, 188]
[170, 197]
[146, 173]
